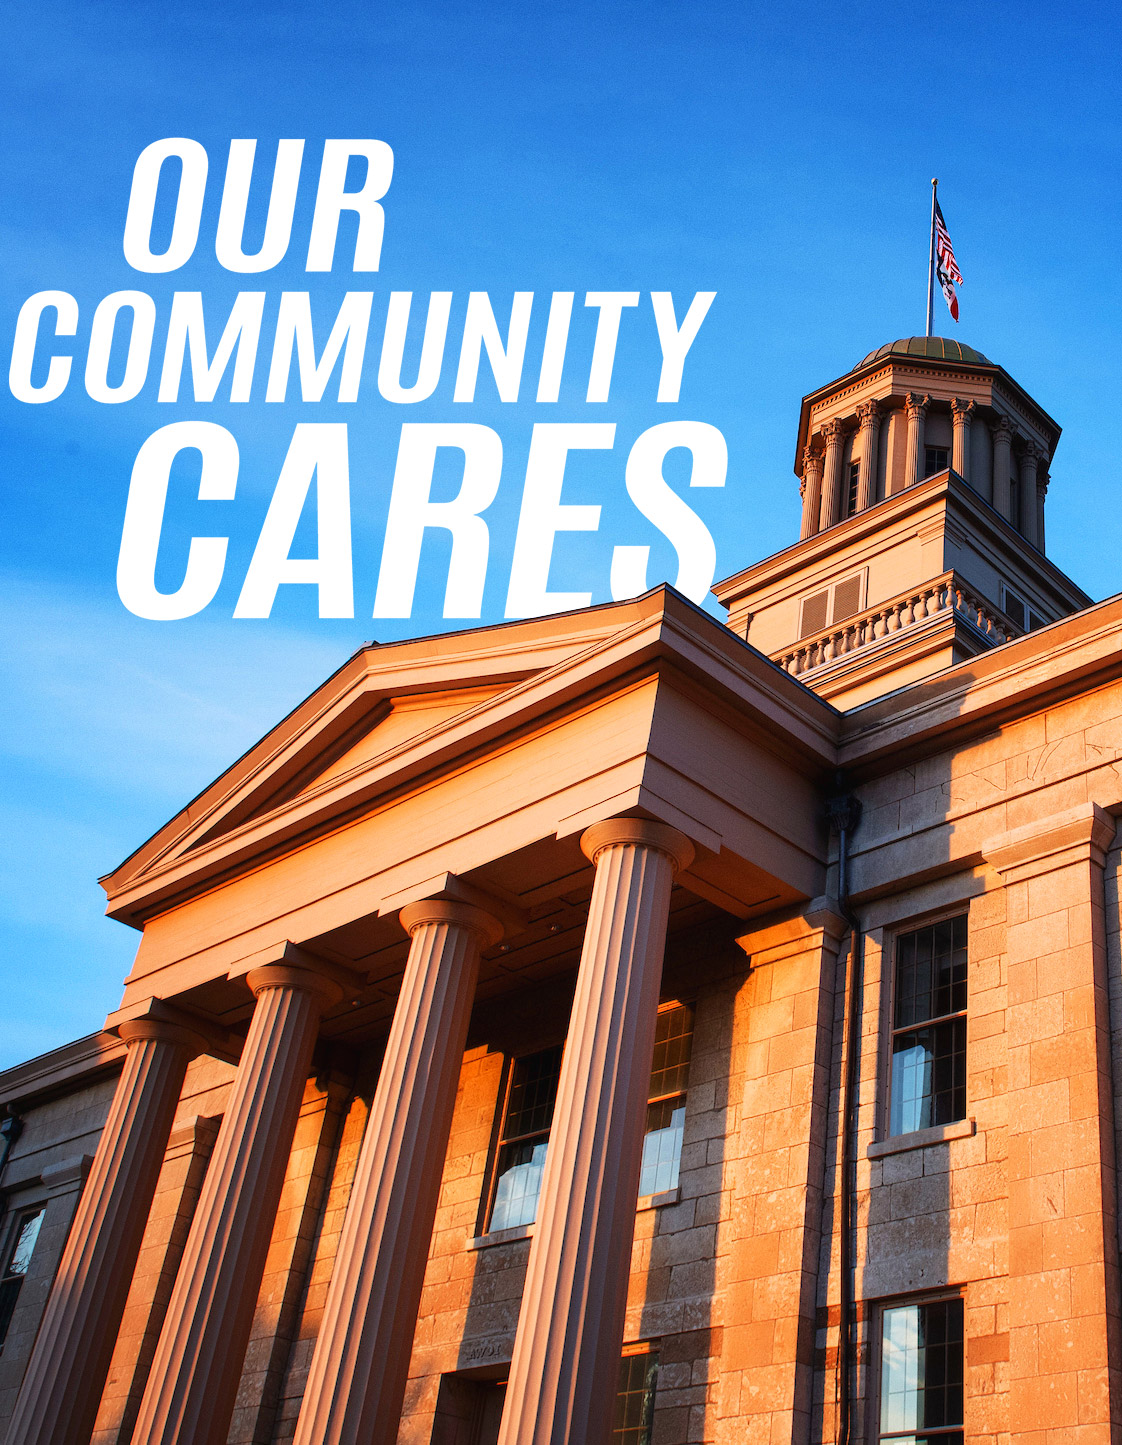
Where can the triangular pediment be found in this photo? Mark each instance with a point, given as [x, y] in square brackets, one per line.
[381, 703]
[400, 721]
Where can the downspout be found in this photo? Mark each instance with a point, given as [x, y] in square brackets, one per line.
[843, 812]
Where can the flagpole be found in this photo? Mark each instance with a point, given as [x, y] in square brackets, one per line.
[931, 263]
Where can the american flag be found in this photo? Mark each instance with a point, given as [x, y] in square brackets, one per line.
[946, 267]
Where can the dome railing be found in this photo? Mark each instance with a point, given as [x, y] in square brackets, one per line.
[943, 595]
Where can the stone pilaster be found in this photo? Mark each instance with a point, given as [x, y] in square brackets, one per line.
[767, 1365]
[833, 434]
[916, 407]
[566, 1355]
[811, 493]
[194, 1377]
[361, 1361]
[61, 1389]
[1003, 431]
[1064, 1338]
[962, 413]
[869, 441]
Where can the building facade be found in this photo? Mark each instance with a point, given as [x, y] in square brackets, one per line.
[623, 1026]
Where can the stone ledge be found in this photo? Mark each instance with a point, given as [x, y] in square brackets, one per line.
[501, 1236]
[921, 1138]
[656, 1201]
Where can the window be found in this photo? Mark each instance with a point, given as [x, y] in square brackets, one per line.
[531, 1093]
[527, 1113]
[935, 460]
[1020, 613]
[851, 491]
[921, 1373]
[928, 1085]
[832, 604]
[638, 1374]
[21, 1246]
[666, 1110]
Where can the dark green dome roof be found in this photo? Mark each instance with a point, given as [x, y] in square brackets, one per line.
[935, 348]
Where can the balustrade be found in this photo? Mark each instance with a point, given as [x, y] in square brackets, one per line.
[947, 593]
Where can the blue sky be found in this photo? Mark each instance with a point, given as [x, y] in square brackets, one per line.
[779, 156]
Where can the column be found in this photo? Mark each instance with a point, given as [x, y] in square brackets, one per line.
[811, 493]
[1064, 1337]
[360, 1366]
[1003, 432]
[869, 440]
[916, 407]
[565, 1367]
[197, 1364]
[774, 1233]
[962, 413]
[833, 433]
[1042, 480]
[1030, 456]
[62, 1387]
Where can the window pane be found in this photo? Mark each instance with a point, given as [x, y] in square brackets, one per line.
[533, 1092]
[26, 1236]
[518, 1183]
[635, 1400]
[928, 1077]
[921, 1370]
[670, 1068]
[931, 972]
[662, 1146]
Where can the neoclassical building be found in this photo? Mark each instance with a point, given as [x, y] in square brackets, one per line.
[621, 1026]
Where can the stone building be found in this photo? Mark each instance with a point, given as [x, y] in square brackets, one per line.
[618, 1025]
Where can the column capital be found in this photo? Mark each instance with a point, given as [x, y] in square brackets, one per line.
[832, 431]
[812, 460]
[642, 832]
[1042, 480]
[1032, 452]
[157, 1019]
[327, 991]
[486, 926]
[1004, 429]
[869, 412]
[1086, 831]
[960, 407]
[916, 404]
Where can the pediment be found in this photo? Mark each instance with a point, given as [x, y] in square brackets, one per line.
[400, 721]
[377, 706]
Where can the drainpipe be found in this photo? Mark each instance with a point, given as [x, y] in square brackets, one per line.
[843, 813]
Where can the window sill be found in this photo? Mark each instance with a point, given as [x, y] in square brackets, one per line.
[502, 1236]
[656, 1201]
[941, 1134]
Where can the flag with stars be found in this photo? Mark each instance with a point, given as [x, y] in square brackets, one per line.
[946, 267]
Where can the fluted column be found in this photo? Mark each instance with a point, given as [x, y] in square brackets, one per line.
[962, 413]
[869, 440]
[361, 1362]
[194, 1377]
[811, 493]
[916, 407]
[565, 1368]
[833, 434]
[1030, 456]
[62, 1386]
[1003, 433]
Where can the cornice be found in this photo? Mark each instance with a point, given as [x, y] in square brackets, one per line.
[1075, 655]
[669, 638]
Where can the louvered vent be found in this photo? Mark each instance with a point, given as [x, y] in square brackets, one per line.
[814, 613]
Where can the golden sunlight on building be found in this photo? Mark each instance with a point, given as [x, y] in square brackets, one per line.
[622, 1027]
